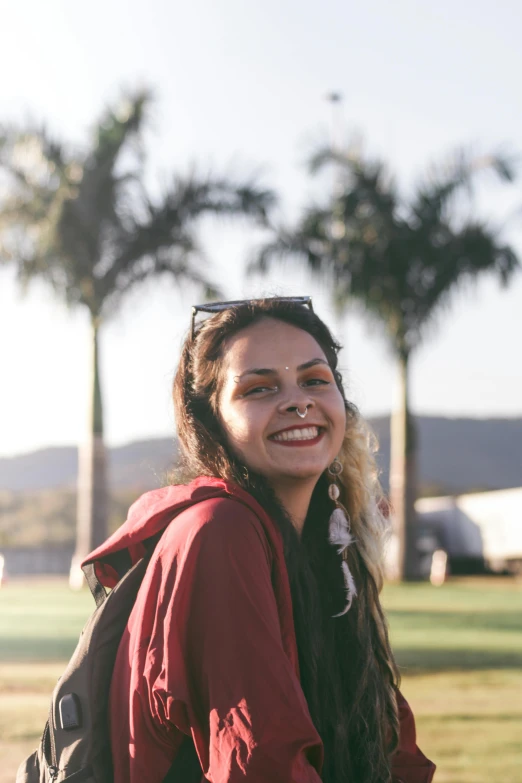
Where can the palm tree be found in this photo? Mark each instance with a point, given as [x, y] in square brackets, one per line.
[402, 261]
[83, 222]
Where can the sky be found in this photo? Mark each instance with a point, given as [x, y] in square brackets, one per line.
[240, 87]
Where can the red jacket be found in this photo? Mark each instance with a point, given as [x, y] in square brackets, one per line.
[210, 648]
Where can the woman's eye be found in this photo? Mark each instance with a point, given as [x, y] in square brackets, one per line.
[259, 389]
[316, 382]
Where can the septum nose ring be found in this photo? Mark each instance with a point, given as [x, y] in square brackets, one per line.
[301, 415]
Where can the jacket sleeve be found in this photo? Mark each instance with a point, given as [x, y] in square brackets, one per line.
[409, 764]
[245, 706]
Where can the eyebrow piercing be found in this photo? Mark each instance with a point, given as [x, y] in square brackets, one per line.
[287, 368]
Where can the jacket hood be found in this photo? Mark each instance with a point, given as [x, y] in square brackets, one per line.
[150, 515]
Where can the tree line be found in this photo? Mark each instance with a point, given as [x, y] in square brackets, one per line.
[84, 222]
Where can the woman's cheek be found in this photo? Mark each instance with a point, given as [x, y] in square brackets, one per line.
[240, 428]
[248, 429]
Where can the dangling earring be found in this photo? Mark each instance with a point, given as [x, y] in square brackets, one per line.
[339, 533]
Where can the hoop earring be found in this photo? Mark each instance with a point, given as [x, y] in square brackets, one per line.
[339, 533]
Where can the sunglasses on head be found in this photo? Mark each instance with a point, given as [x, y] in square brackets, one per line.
[218, 307]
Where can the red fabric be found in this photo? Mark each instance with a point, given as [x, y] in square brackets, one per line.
[210, 648]
[410, 765]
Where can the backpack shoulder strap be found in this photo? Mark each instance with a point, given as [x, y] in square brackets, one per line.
[95, 586]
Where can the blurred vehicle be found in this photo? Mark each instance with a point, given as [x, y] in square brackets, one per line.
[466, 534]
[479, 532]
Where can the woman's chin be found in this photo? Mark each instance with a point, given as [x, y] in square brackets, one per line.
[299, 474]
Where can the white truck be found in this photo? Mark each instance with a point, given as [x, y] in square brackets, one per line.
[481, 527]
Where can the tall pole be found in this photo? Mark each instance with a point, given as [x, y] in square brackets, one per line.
[335, 100]
[337, 226]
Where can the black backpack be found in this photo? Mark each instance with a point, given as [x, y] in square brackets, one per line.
[75, 746]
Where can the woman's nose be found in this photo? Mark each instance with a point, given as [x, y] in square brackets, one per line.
[298, 401]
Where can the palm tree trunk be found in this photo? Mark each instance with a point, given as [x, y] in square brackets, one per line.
[403, 478]
[92, 509]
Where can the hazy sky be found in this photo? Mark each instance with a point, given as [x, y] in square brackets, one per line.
[240, 85]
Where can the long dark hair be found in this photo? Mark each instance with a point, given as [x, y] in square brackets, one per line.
[348, 673]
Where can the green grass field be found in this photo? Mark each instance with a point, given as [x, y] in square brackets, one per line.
[459, 648]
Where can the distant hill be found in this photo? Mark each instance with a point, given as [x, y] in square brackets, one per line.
[38, 491]
[142, 464]
[461, 455]
[455, 456]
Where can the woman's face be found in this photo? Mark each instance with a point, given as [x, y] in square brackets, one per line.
[271, 370]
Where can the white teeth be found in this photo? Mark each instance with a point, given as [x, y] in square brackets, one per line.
[307, 433]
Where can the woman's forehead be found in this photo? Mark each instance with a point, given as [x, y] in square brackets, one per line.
[270, 343]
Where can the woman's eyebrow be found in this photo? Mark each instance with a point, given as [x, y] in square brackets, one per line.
[273, 371]
[312, 363]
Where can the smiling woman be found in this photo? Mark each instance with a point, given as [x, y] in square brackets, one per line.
[272, 371]
[257, 649]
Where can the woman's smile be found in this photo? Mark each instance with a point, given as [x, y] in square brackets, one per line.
[303, 435]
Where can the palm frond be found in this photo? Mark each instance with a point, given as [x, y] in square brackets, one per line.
[503, 165]
[103, 190]
[170, 222]
[119, 124]
[434, 195]
[309, 241]
[195, 195]
[180, 264]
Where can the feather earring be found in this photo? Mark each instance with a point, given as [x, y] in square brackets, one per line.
[339, 534]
